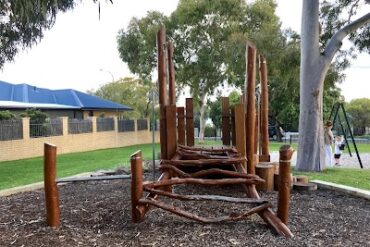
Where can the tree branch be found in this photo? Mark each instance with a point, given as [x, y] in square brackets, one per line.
[336, 41]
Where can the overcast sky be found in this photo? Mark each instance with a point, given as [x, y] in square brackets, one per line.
[80, 51]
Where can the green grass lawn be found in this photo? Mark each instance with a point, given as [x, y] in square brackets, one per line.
[27, 171]
[354, 177]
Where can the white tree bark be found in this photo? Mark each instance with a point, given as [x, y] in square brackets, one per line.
[202, 120]
[314, 66]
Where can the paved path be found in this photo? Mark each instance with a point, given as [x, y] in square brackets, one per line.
[346, 161]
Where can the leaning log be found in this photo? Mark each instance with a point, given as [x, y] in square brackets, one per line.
[185, 214]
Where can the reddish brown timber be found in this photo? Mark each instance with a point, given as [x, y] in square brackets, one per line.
[181, 125]
[211, 150]
[212, 171]
[222, 181]
[193, 155]
[171, 75]
[233, 135]
[225, 108]
[189, 122]
[50, 186]
[240, 131]
[264, 111]
[162, 80]
[286, 153]
[205, 197]
[267, 215]
[136, 186]
[201, 162]
[251, 107]
[171, 139]
[185, 214]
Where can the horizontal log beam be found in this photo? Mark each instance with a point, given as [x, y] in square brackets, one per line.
[183, 213]
[201, 162]
[205, 197]
[215, 150]
[200, 181]
[212, 171]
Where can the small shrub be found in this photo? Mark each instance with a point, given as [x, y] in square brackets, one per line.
[6, 115]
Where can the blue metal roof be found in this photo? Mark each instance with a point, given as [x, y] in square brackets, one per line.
[67, 97]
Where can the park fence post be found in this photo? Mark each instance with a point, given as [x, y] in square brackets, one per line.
[136, 185]
[286, 152]
[50, 186]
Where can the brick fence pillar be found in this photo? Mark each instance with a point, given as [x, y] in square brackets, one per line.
[26, 128]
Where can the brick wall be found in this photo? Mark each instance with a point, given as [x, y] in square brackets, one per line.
[70, 143]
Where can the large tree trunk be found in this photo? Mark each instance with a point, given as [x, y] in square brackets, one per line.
[314, 66]
[202, 120]
[311, 154]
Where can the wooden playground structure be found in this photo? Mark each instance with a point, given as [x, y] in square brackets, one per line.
[235, 163]
[182, 163]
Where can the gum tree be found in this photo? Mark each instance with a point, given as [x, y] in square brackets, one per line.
[340, 19]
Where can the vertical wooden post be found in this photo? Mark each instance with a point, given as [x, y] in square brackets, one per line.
[225, 109]
[181, 125]
[251, 107]
[286, 153]
[265, 155]
[136, 185]
[240, 130]
[233, 134]
[162, 80]
[256, 134]
[189, 122]
[171, 131]
[50, 185]
[171, 75]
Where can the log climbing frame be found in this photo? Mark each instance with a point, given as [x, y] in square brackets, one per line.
[182, 163]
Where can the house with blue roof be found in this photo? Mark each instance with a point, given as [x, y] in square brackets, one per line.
[56, 103]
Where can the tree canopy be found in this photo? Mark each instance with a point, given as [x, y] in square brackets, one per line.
[358, 109]
[22, 23]
[209, 39]
[128, 91]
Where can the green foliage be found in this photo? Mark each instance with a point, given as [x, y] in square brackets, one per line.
[210, 131]
[215, 107]
[6, 115]
[36, 116]
[137, 44]
[22, 23]
[37, 121]
[128, 91]
[334, 15]
[358, 109]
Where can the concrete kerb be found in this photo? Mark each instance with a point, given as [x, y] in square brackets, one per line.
[343, 189]
[34, 186]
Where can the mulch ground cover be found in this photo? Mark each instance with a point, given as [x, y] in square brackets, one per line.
[99, 214]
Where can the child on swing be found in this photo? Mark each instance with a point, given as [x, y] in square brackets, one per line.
[338, 149]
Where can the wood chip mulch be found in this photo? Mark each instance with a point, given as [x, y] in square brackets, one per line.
[99, 214]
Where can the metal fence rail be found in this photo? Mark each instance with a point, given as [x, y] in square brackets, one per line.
[11, 130]
[52, 127]
[78, 126]
[126, 125]
[142, 124]
[104, 124]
